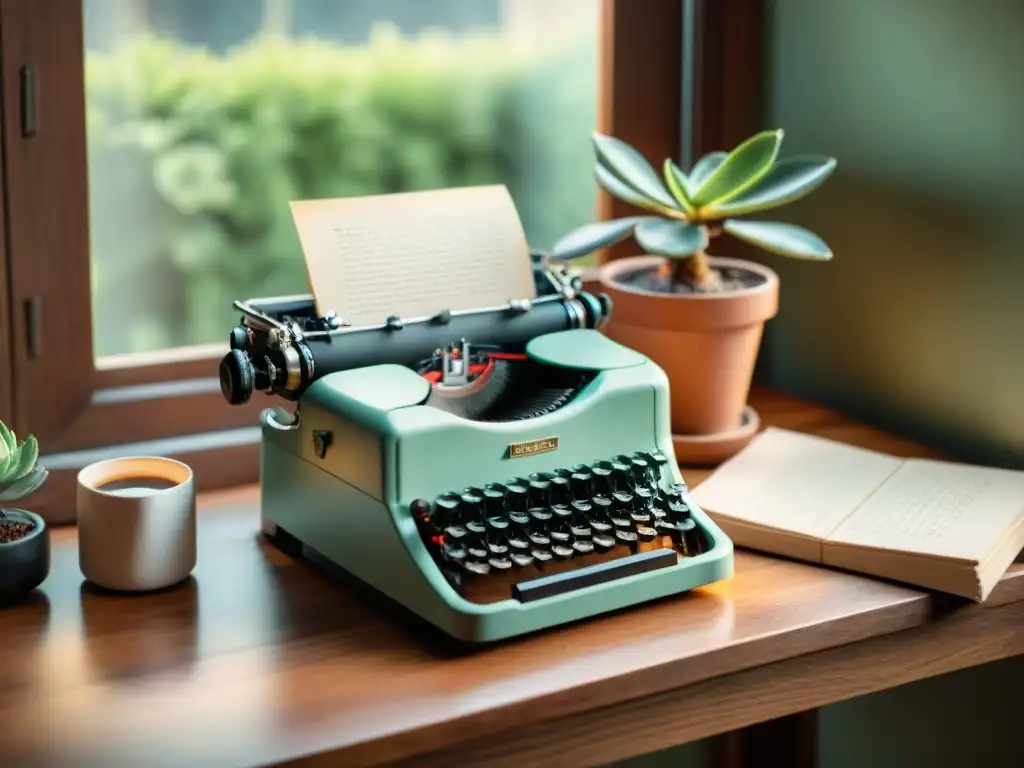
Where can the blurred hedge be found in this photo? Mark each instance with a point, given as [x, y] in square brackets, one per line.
[194, 158]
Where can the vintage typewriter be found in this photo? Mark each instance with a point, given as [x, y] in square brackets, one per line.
[496, 471]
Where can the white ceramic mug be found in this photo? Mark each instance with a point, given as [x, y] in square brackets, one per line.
[136, 523]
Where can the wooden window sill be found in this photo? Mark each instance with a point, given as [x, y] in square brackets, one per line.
[258, 659]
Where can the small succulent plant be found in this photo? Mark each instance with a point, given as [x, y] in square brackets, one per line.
[20, 474]
[695, 207]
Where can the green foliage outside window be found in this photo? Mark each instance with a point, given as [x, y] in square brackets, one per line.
[194, 158]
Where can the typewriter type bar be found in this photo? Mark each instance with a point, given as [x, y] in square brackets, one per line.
[554, 532]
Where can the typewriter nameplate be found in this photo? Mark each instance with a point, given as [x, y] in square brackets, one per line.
[532, 447]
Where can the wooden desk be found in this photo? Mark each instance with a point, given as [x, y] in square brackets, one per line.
[259, 660]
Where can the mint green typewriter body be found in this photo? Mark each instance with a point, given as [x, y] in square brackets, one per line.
[343, 478]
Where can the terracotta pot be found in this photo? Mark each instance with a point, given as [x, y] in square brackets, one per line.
[706, 343]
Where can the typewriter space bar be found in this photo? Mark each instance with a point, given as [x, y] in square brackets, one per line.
[559, 583]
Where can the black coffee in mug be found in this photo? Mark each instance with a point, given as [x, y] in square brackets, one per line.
[136, 486]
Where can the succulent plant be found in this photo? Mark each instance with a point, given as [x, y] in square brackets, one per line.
[695, 207]
[20, 475]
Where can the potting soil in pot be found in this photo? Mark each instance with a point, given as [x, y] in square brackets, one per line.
[13, 530]
[658, 280]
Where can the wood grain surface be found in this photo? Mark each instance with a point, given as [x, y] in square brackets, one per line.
[260, 660]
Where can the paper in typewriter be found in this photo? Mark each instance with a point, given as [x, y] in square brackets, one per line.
[414, 254]
[942, 525]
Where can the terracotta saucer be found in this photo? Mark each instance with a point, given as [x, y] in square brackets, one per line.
[702, 450]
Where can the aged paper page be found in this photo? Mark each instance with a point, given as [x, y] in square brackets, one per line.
[794, 482]
[939, 509]
[414, 254]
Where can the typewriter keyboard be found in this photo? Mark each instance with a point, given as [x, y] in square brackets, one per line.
[491, 543]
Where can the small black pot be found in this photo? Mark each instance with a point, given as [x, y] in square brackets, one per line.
[25, 563]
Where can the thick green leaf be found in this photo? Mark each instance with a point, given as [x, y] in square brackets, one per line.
[787, 181]
[705, 167]
[26, 457]
[590, 237]
[665, 237]
[677, 185]
[7, 438]
[743, 168]
[19, 489]
[777, 237]
[631, 168]
[611, 182]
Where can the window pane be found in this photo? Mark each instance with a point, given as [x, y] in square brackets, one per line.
[917, 319]
[206, 119]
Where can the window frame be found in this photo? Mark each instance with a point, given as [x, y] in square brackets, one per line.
[81, 408]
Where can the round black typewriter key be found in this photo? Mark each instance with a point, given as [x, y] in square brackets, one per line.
[539, 493]
[640, 518]
[580, 469]
[515, 495]
[582, 507]
[620, 476]
[622, 523]
[518, 544]
[497, 523]
[679, 510]
[658, 458]
[643, 496]
[638, 467]
[540, 540]
[561, 537]
[521, 559]
[519, 484]
[560, 490]
[600, 527]
[601, 505]
[651, 472]
[454, 554]
[494, 501]
[581, 485]
[692, 537]
[455, 532]
[500, 563]
[472, 495]
[582, 531]
[542, 477]
[646, 533]
[519, 518]
[476, 568]
[604, 543]
[622, 499]
[562, 552]
[540, 514]
[476, 552]
[561, 511]
[447, 506]
[583, 547]
[497, 547]
[603, 483]
[472, 503]
[541, 556]
[476, 526]
[626, 536]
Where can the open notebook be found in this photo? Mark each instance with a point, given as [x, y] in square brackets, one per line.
[950, 527]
